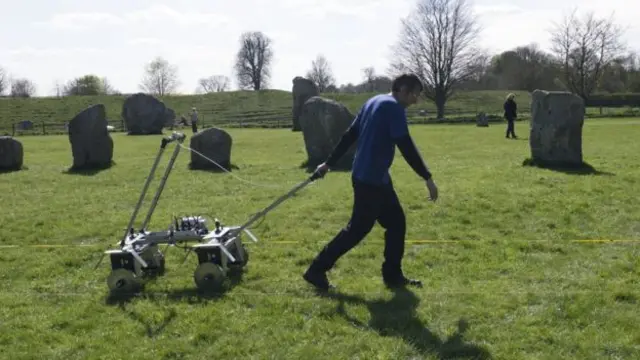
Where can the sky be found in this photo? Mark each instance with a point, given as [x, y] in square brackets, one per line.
[49, 41]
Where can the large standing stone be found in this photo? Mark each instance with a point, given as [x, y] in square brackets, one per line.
[145, 115]
[91, 143]
[213, 143]
[303, 90]
[11, 154]
[556, 128]
[170, 118]
[323, 122]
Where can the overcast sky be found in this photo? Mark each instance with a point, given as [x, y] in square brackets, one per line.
[57, 40]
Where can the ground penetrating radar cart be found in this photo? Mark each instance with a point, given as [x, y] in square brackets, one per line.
[219, 250]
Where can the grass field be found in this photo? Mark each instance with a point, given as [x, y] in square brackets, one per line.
[504, 275]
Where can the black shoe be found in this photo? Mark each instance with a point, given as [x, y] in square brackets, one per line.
[318, 280]
[402, 282]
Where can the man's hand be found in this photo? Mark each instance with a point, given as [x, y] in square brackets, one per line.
[321, 170]
[433, 190]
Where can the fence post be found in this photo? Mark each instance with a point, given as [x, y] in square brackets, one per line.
[13, 129]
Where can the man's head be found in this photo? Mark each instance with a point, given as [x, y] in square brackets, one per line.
[407, 88]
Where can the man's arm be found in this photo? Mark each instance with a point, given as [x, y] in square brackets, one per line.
[412, 156]
[348, 139]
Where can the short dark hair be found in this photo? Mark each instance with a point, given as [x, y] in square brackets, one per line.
[411, 81]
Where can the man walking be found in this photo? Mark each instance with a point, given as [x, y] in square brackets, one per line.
[379, 127]
[194, 120]
[510, 113]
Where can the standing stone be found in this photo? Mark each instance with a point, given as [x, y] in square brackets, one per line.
[213, 143]
[11, 154]
[303, 90]
[556, 128]
[170, 118]
[145, 115]
[482, 120]
[91, 144]
[323, 122]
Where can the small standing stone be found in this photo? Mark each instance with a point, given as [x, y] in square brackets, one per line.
[11, 154]
[91, 143]
[215, 144]
[482, 120]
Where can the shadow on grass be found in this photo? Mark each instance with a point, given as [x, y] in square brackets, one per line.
[13, 169]
[571, 169]
[191, 295]
[213, 168]
[88, 170]
[397, 318]
[150, 330]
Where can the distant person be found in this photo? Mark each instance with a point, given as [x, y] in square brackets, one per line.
[378, 128]
[510, 113]
[194, 120]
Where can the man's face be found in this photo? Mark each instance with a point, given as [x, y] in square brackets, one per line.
[409, 97]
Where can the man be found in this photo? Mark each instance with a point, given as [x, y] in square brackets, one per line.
[380, 125]
[510, 113]
[194, 120]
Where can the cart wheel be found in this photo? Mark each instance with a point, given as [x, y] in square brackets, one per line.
[122, 281]
[209, 276]
[235, 267]
[162, 268]
[245, 252]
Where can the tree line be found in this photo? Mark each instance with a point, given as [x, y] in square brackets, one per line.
[438, 42]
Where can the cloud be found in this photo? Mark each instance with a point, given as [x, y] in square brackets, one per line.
[156, 14]
[144, 41]
[497, 10]
[319, 9]
[31, 52]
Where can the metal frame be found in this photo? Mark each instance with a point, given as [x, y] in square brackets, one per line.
[219, 250]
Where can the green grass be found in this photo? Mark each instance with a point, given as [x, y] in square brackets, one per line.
[247, 108]
[501, 255]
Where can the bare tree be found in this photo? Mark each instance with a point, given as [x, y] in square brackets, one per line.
[4, 81]
[253, 61]
[160, 78]
[437, 44]
[58, 88]
[107, 88]
[22, 88]
[585, 47]
[369, 74]
[215, 83]
[320, 73]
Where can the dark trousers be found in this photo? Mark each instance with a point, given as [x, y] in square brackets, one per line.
[371, 204]
[194, 127]
[511, 128]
